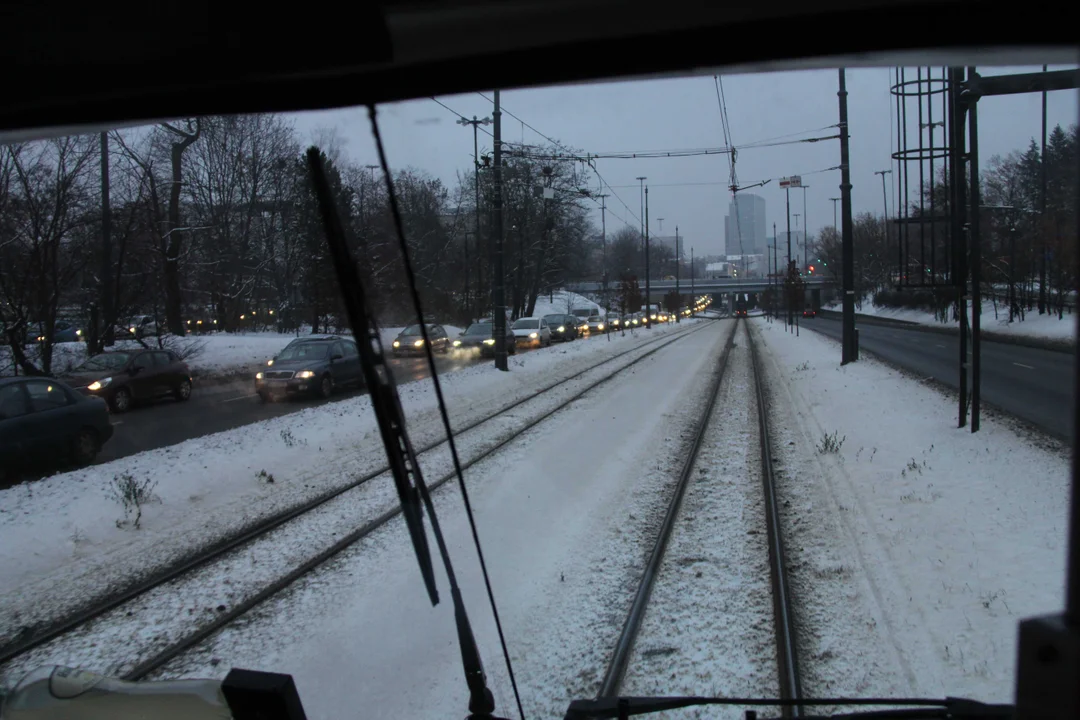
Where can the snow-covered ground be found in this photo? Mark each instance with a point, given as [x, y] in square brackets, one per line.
[917, 547]
[216, 354]
[1033, 324]
[565, 515]
[59, 537]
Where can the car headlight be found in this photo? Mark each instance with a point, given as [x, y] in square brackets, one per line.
[131, 330]
[457, 343]
[533, 336]
[269, 362]
[305, 374]
[600, 326]
[79, 333]
[99, 384]
[561, 329]
[418, 343]
[397, 344]
[489, 341]
[259, 375]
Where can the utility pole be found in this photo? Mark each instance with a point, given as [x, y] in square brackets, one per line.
[776, 261]
[497, 271]
[641, 196]
[885, 204]
[806, 229]
[603, 240]
[850, 348]
[787, 268]
[648, 288]
[693, 293]
[834, 201]
[1012, 269]
[678, 305]
[476, 184]
[975, 258]
[797, 216]
[1042, 211]
[106, 337]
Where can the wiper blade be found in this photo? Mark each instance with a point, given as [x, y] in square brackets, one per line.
[377, 375]
[905, 708]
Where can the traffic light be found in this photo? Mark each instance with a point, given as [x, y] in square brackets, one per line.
[811, 269]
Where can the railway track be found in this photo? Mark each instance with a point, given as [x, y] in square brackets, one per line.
[138, 631]
[713, 608]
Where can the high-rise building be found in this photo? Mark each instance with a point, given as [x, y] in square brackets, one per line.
[744, 225]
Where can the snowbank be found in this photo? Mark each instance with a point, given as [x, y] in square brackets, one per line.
[61, 539]
[917, 546]
[565, 301]
[1033, 325]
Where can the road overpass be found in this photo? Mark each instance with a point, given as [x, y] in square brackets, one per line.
[659, 288]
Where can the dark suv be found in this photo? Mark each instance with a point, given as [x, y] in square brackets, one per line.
[311, 366]
[563, 327]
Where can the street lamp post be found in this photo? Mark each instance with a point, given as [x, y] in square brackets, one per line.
[885, 204]
[641, 192]
[678, 294]
[806, 228]
[463, 121]
[648, 287]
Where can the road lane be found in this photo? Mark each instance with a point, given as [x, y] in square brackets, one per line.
[216, 408]
[1031, 383]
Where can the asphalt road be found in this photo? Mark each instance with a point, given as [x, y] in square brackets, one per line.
[1032, 384]
[215, 408]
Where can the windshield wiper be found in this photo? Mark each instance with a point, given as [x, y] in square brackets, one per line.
[386, 402]
[906, 708]
[377, 375]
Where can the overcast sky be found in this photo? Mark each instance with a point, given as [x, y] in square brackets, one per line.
[691, 192]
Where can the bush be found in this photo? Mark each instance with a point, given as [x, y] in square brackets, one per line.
[938, 301]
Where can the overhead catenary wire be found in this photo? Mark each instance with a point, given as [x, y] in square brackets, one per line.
[733, 176]
[683, 152]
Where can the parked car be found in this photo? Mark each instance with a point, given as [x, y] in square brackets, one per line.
[563, 327]
[482, 335]
[532, 331]
[809, 312]
[411, 340]
[311, 366]
[126, 376]
[43, 418]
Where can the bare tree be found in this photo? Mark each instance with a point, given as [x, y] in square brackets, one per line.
[46, 207]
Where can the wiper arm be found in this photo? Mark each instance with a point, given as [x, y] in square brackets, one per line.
[912, 708]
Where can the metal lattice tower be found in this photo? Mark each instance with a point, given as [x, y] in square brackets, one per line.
[921, 216]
